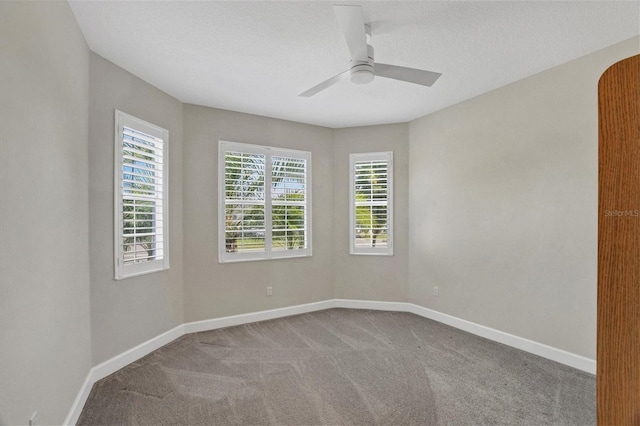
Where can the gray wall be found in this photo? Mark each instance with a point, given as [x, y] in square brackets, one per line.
[131, 311]
[371, 277]
[213, 289]
[44, 264]
[503, 211]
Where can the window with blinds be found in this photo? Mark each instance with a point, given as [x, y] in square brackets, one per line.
[141, 210]
[371, 206]
[288, 203]
[265, 200]
[244, 204]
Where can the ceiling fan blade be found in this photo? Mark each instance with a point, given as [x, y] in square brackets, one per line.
[325, 84]
[351, 21]
[411, 75]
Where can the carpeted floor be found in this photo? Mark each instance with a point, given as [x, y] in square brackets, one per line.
[341, 367]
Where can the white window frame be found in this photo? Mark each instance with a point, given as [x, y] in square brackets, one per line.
[123, 270]
[269, 253]
[366, 157]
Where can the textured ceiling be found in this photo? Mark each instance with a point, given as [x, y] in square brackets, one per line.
[256, 57]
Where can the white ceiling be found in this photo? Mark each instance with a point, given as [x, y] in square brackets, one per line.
[256, 57]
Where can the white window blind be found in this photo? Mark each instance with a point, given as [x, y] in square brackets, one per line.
[288, 203]
[244, 204]
[371, 206]
[141, 196]
[265, 197]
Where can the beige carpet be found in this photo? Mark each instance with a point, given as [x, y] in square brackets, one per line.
[341, 367]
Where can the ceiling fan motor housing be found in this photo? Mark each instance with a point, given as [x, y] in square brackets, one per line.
[363, 72]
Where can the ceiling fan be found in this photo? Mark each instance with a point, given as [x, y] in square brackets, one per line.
[362, 67]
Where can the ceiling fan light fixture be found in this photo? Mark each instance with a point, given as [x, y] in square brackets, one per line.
[362, 74]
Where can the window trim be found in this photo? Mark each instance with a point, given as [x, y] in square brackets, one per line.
[371, 156]
[269, 253]
[122, 271]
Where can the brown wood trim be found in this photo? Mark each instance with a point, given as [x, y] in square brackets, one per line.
[618, 352]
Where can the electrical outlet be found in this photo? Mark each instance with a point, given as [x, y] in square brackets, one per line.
[436, 292]
[33, 421]
[269, 291]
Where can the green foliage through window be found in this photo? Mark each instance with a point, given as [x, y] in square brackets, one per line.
[142, 187]
[371, 203]
[265, 202]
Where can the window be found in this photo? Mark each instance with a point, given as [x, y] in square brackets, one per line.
[371, 205]
[264, 202]
[141, 195]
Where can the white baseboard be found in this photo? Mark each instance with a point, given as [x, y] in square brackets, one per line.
[371, 304]
[215, 323]
[576, 361]
[81, 399]
[114, 364]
